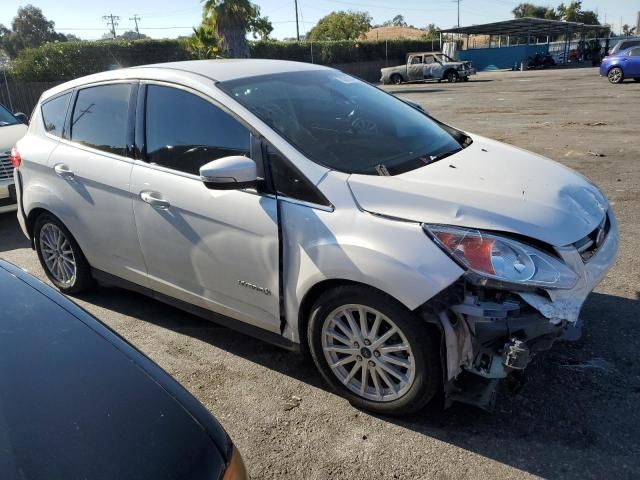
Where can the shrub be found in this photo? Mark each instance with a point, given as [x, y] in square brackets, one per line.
[68, 60]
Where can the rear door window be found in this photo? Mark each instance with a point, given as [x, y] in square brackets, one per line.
[185, 131]
[54, 113]
[100, 117]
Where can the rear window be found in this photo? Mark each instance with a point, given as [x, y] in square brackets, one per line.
[100, 117]
[54, 113]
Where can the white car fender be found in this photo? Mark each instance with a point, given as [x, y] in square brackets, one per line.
[322, 244]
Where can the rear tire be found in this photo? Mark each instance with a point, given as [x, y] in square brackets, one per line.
[615, 75]
[636, 79]
[452, 76]
[60, 255]
[396, 79]
[401, 372]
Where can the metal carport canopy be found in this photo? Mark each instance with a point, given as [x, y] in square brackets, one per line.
[525, 26]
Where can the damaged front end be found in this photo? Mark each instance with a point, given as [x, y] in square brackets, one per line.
[492, 328]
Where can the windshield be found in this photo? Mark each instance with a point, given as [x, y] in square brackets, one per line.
[6, 118]
[343, 123]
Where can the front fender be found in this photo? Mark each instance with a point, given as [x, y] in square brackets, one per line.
[393, 256]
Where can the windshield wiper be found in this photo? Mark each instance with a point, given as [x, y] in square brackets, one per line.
[382, 171]
[440, 156]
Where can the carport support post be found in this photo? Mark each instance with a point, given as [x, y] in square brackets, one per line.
[566, 46]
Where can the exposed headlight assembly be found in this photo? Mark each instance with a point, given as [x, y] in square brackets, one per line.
[493, 258]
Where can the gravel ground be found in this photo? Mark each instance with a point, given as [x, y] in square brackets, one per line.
[577, 417]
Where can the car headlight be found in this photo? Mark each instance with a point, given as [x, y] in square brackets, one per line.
[502, 259]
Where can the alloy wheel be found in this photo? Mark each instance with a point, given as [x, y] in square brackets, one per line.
[615, 75]
[368, 353]
[57, 254]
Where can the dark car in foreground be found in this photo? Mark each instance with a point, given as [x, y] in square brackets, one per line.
[622, 65]
[78, 401]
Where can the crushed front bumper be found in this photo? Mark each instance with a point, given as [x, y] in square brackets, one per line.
[492, 334]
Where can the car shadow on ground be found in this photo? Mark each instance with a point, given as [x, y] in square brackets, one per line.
[575, 417]
[11, 236]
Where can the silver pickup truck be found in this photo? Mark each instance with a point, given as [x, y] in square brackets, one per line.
[428, 66]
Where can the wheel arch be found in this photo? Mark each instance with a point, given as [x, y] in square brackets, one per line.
[310, 297]
[447, 71]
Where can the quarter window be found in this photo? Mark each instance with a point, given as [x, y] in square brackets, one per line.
[634, 52]
[54, 113]
[291, 183]
[100, 117]
[184, 131]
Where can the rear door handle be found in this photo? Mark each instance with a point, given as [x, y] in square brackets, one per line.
[63, 171]
[155, 200]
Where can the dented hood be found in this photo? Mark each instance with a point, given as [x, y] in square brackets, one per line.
[491, 186]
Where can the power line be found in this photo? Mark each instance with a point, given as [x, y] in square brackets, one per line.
[113, 20]
[135, 18]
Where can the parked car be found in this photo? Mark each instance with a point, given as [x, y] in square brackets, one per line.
[624, 64]
[623, 45]
[12, 128]
[78, 401]
[428, 66]
[298, 204]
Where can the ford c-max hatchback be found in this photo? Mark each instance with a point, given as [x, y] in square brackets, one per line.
[305, 207]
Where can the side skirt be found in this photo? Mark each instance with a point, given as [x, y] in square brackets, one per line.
[237, 325]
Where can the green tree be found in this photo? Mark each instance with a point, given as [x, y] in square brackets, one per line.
[530, 10]
[432, 30]
[574, 13]
[205, 42]
[231, 20]
[29, 29]
[341, 26]
[132, 35]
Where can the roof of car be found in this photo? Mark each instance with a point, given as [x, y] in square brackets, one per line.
[79, 401]
[219, 70]
[230, 69]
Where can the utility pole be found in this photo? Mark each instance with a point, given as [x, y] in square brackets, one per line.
[135, 18]
[297, 23]
[458, 2]
[113, 21]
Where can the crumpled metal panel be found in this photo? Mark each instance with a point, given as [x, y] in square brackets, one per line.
[566, 304]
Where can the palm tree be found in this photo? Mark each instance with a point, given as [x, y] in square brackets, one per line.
[628, 31]
[232, 20]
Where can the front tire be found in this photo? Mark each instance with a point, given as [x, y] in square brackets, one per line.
[60, 256]
[615, 75]
[636, 79]
[373, 351]
[452, 76]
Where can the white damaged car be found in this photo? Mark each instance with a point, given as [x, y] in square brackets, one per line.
[317, 212]
[12, 128]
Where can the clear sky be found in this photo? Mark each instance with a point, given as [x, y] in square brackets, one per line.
[166, 19]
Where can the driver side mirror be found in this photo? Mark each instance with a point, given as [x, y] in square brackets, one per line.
[229, 173]
[21, 117]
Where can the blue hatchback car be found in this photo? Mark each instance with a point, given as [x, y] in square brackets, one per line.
[621, 65]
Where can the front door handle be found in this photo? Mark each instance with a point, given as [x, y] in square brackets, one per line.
[155, 200]
[63, 171]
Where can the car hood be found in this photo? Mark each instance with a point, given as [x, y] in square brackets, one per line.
[10, 134]
[491, 186]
